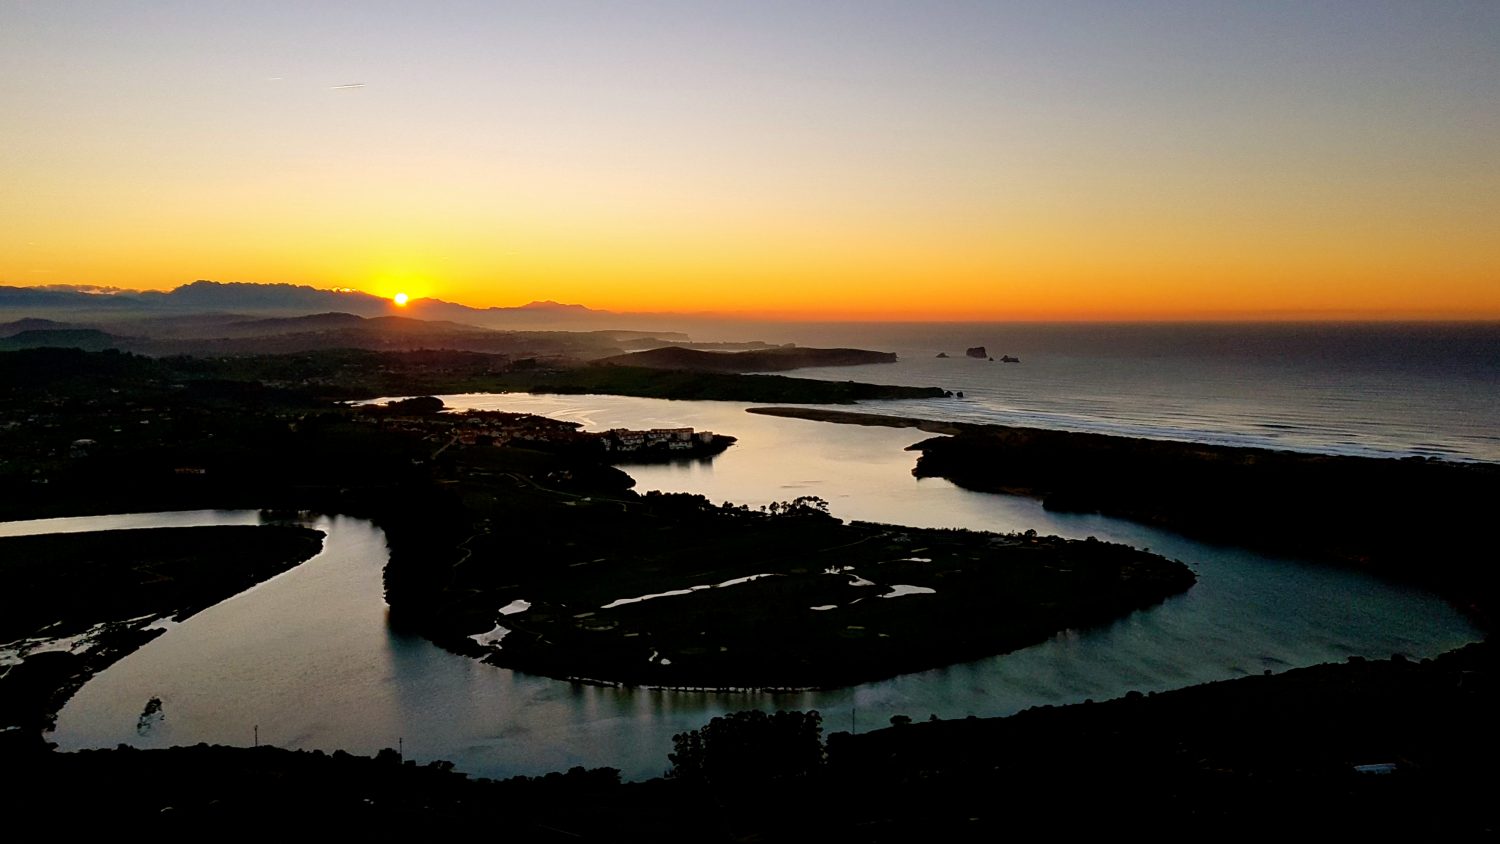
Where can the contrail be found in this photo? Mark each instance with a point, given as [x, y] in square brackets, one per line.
[347, 87]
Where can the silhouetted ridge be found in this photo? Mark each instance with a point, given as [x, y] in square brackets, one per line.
[757, 360]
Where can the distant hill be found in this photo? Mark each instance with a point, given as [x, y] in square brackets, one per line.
[88, 339]
[383, 333]
[8, 329]
[339, 322]
[759, 360]
[288, 325]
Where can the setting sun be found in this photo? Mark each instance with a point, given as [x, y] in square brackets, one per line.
[400, 299]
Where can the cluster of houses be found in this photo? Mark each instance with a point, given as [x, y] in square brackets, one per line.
[672, 439]
[503, 429]
[487, 428]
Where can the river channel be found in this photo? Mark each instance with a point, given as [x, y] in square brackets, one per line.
[306, 659]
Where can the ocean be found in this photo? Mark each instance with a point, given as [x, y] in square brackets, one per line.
[1375, 389]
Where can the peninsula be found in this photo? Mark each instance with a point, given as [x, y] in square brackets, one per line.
[776, 359]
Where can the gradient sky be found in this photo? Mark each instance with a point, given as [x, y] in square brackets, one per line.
[985, 160]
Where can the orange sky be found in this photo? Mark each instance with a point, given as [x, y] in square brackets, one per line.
[1025, 162]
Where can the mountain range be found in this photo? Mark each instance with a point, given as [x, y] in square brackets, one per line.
[284, 300]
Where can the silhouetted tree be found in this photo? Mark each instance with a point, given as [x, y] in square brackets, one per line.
[748, 747]
[806, 505]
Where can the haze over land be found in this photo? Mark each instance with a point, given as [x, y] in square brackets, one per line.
[1159, 160]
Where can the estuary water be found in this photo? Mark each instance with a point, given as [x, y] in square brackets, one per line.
[307, 660]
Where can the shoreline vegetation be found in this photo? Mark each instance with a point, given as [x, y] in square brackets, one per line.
[1382, 515]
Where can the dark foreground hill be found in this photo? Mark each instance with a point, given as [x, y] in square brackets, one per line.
[1388, 750]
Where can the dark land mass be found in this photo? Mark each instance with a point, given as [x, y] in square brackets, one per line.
[799, 599]
[214, 326]
[423, 416]
[206, 789]
[784, 598]
[232, 335]
[389, 333]
[62, 583]
[107, 587]
[707, 386]
[758, 360]
[1381, 515]
[1253, 757]
[354, 374]
[14, 327]
[648, 343]
[1366, 749]
[87, 339]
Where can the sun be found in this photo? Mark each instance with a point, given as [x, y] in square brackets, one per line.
[400, 299]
